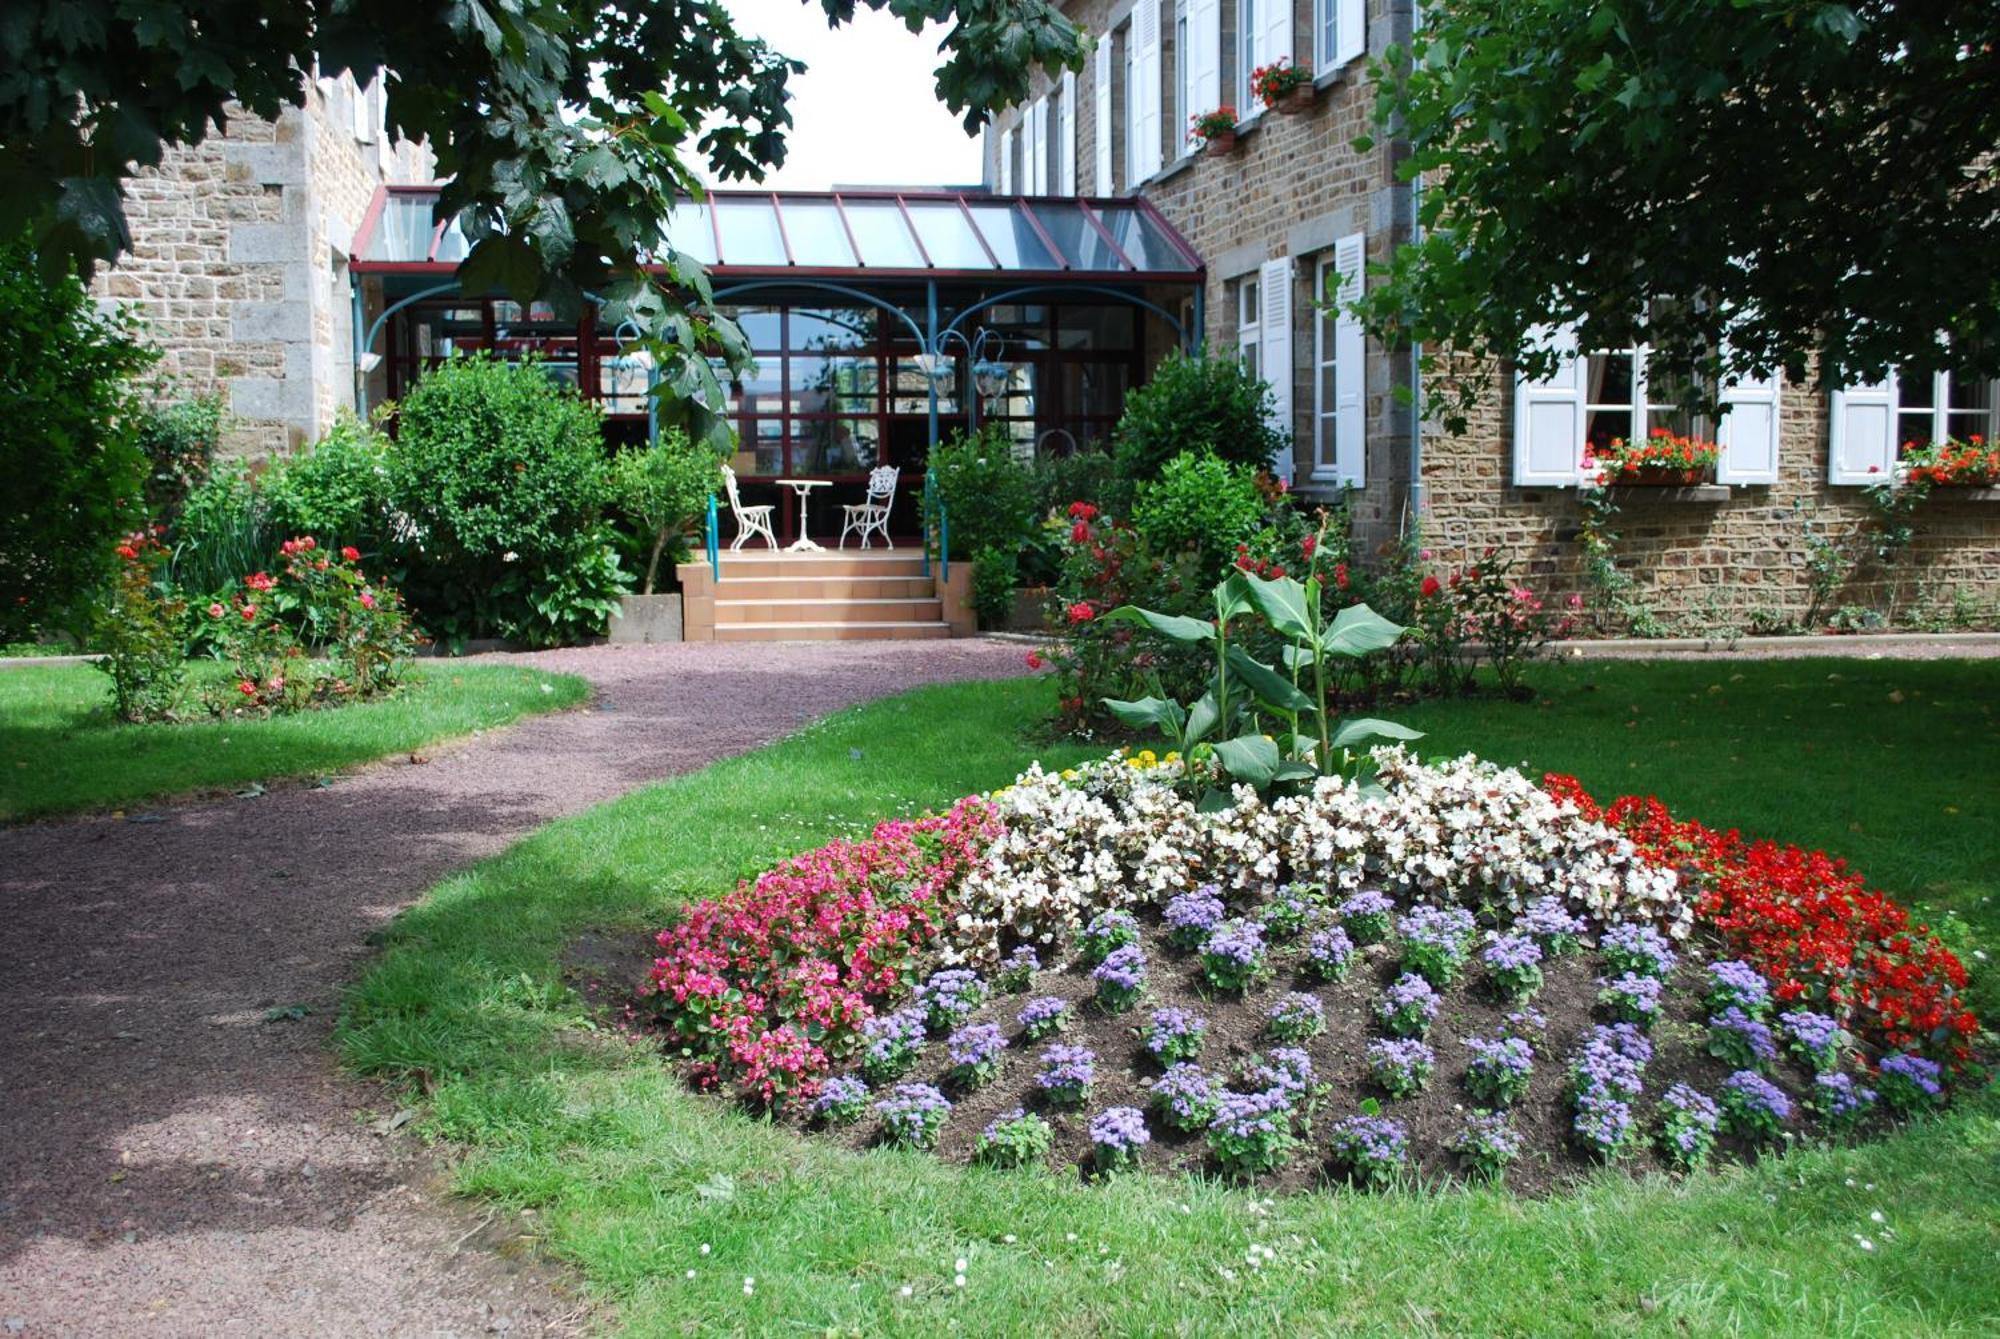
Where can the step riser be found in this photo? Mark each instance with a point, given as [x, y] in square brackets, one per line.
[823, 632]
[856, 611]
[827, 588]
[740, 566]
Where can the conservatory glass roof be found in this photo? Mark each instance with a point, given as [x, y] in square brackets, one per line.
[927, 234]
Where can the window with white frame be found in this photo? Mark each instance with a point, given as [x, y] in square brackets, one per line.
[1339, 356]
[1246, 53]
[1183, 107]
[1871, 427]
[1131, 67]
[1339, 34]
[1326, 355]
[1249, 324]
[1626, 397]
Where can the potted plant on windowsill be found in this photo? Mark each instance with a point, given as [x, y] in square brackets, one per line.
[1283, 87]
[1215, 130]
[1663, 460]
[1953, 463]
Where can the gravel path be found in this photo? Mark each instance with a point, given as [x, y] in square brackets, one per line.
[178, 1154]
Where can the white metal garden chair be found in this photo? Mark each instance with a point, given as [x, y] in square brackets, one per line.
[871, 515]
[750, 521]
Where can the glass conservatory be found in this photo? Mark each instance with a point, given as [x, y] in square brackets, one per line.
[880, 323]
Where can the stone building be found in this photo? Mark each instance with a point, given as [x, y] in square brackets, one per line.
[1294, 210]
[240, 252]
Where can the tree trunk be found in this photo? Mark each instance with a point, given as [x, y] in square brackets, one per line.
[653, 564]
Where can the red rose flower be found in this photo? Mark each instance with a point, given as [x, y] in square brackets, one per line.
[1034, 661]
[351, 553]
[1081, 612]
[1431, 587]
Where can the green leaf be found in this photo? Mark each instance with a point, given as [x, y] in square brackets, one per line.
[1354, 731]
[1202, 718]
[1274, 688]
[1250, 758]
[1358, 630]
[1214, 801]
[1283, 604]
[1176, 626]
[1296, 771]
[1157, 713]
[1232, 596]
[502, 265]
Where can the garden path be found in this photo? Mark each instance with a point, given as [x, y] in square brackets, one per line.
[178, 1152]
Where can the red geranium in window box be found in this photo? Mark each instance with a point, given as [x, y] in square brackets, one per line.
[1971, 463]
[1664, 458]
[1216, 130]
[1283, 86]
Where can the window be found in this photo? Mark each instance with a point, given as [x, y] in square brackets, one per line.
[1249, 325]
[1133, 172]
[1326, 33]
[1339, 358]
[1183, 107]
[1246, 53]
[1339, 34]
[1872, 426]
[1625, 399]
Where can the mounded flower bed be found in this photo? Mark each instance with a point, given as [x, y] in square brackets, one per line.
[1460, 972]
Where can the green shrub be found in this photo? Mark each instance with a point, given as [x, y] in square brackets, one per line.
[221, 534]
[1200, 504]
[1196, 404]
[663, 489]
[503, 477]
[141, 628]
[988, 494]
[337, 490]
[74, 475]
[995, 574]
[179, 441]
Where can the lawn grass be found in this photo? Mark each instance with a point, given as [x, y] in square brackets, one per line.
[629, 1175]
[62, 750]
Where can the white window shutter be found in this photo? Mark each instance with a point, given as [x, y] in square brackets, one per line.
[1748, 433]
[1350, 362]
[1100, 95]
[1006, 175]
[1861, 433]
[1146, 64]
[1351, 35]
[1548, 417]
[1274, 291]
[1205, 53]
[1274, 35]
[1066, 135]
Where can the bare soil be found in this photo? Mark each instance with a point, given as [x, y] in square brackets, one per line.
[179, 1153]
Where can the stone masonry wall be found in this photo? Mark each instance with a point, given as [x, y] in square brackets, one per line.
[1294, 184]
[239, 262]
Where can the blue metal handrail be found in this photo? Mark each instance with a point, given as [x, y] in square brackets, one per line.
[714, 540]
[934, 498]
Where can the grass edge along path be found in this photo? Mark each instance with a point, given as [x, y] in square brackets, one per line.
[62, 752]
[632, 1177]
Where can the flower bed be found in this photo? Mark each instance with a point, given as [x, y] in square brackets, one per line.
[1764, 983]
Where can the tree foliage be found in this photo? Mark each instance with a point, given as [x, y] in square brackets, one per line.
[567, 128]
[1758, 183]
[69, 418]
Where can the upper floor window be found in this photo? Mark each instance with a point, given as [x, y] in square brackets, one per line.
[1249, 324]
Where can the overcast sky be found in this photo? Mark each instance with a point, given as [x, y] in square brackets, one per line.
[865, 111]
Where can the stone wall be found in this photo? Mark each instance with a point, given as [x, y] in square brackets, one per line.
[1294, 184]
[239, 261]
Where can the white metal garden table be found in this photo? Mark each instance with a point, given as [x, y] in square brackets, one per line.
[804, 487]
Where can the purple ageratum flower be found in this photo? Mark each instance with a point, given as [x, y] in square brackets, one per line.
[1121, 977]
[1910, 1082]
[841, 1099]
[1631, 998]
[1329, 952]
[1290, 908]
[1514, 965]
[1295, 1017]
[1067, 1074]
[1435, 941]
[1371, 1147]
[1252, 1132]
[1638, 949]
[1408, 1006]
[1816, 1037]
[1528, 1024]
[1117, 1134]
[1603, 1123]
[1017, 969]
[1755, 1106]
[1043, 1017]
[1487, 1143]
[1191, 917]
[1548, 922]
[950, 995]
[1738, 984]
[1233, 955]
[1175, 1035]
[1366, 915]
[913, 1114]
[1285, 1068]
[1401, 1067]
[1740, 1040]
[1500, 1069]
[1186, 1097]
[1604, 1068]
[1688, 1122]
[1629, 1041]
[975, 1052]
[1107, 930]
[892, 1042]
[1014, 1138]
[1839, 1099]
